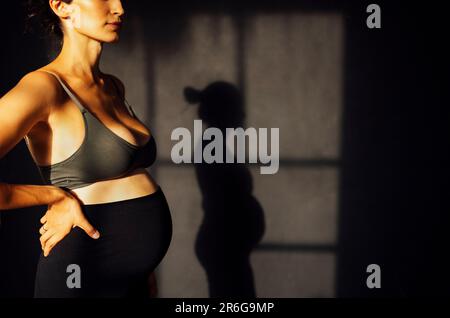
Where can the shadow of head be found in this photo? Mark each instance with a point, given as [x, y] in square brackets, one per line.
[220, 104]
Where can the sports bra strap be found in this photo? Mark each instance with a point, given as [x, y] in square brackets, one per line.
[68, 91]
[129, 107]
[124, 99]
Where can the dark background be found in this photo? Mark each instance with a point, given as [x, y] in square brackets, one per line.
[393, 201]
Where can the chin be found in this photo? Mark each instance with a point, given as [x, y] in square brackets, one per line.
[116, 39]
[111, 39]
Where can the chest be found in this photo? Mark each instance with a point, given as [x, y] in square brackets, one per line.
[63, 133]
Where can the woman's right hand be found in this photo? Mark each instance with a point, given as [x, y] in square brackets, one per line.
[61, 217]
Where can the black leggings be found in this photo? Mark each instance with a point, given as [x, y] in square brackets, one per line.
[135, 235]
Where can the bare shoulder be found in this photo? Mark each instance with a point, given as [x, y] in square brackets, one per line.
[35, 92]
[40, 80]
[39, 86]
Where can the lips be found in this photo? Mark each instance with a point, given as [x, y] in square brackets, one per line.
[115, 25]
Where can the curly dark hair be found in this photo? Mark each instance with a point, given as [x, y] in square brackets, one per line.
[39, 13]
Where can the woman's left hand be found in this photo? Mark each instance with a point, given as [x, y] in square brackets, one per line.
[61, 217]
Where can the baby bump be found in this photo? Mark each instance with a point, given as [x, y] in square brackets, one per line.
[135, 235]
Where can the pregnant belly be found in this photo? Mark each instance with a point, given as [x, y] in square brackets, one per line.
[133, 185]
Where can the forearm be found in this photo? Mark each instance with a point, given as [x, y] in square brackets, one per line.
[17, 196]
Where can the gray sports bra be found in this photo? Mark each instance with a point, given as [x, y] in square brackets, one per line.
[102, 155]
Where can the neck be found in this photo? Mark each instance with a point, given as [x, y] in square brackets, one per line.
[80, 58]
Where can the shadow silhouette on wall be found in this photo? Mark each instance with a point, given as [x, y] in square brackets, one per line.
[233, 222]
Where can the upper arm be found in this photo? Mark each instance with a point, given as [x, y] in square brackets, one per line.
[23, 106]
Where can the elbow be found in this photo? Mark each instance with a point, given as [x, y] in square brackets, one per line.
[2, 150]
[5, 196]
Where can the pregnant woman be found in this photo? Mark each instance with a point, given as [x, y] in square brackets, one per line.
[108, 224]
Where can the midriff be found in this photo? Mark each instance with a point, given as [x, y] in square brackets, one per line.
[134, 185]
